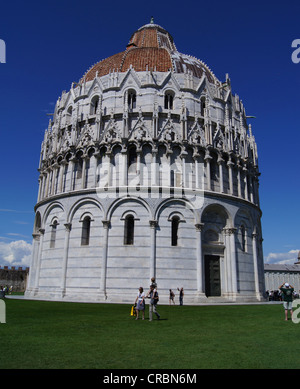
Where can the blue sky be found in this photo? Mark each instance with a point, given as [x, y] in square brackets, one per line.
[50, 44]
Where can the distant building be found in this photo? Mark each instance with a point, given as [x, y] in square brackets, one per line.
[277, 274]
[148, 168]
[15, 277]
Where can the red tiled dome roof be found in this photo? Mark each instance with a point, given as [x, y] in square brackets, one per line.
[151, 47]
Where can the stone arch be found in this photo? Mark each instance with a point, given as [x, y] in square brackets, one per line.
[94, 103]
[120, 201]
[217, 208]
[131, 96]
[245, 214]
[215, 218]
[169, 96]
[79, 203]
[37, 222]
[49, 209]
[182, 201]
[243, 223]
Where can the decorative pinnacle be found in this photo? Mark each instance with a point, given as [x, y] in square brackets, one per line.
[152, 20]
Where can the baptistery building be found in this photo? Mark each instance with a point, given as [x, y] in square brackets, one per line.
[148, 168]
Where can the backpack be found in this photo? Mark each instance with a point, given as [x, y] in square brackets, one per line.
[153, 299]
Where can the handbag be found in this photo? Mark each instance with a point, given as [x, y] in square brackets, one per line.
[133, 311]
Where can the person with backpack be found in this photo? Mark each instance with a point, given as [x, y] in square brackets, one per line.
[287, 295]
[154, 298]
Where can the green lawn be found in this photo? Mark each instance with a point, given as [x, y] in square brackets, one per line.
[49, 335]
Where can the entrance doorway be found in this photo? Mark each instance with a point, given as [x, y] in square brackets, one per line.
[212, 275]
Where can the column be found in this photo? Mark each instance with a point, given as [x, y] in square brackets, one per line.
[220, 163]
[138, 166]
[40, 187]
[256, 279]
[153, 225]
[251, 188]
[95, 157]
[54, 177]
[230, 263]
[71, 167]
[47, 182]
[183, 169]
[106, 224]
[232, 232]
[61, 176]
[239, 179]
[207, 159]
[35, 251]
[65, 259]
[83, 177]
[246, 183]
[154, 168]
[109, 172]
[200, 261]
[196, 164]
[39, 260]
[227, 267]
[124, 168]
[230, 164]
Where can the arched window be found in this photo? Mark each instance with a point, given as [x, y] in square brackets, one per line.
[174, 230]
[243, 238]
[131, 99]
[86, 229]
[69, 115]
[94, 105]
[169, 97]
[37, 223]
[202, 103]
[214, 168]
[53, 234]
[129, 230]
[132, 159]
[79, 165]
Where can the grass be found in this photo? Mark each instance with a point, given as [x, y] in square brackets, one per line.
[55, 335]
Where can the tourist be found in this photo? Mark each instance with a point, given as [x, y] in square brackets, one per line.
[171, 297]
[140, 301]
[153, 282]
[153, 295]
[287, 296]
[181, 294]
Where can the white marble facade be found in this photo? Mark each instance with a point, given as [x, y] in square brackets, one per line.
[148, 173]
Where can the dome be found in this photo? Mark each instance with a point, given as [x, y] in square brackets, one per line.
[151, 48]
